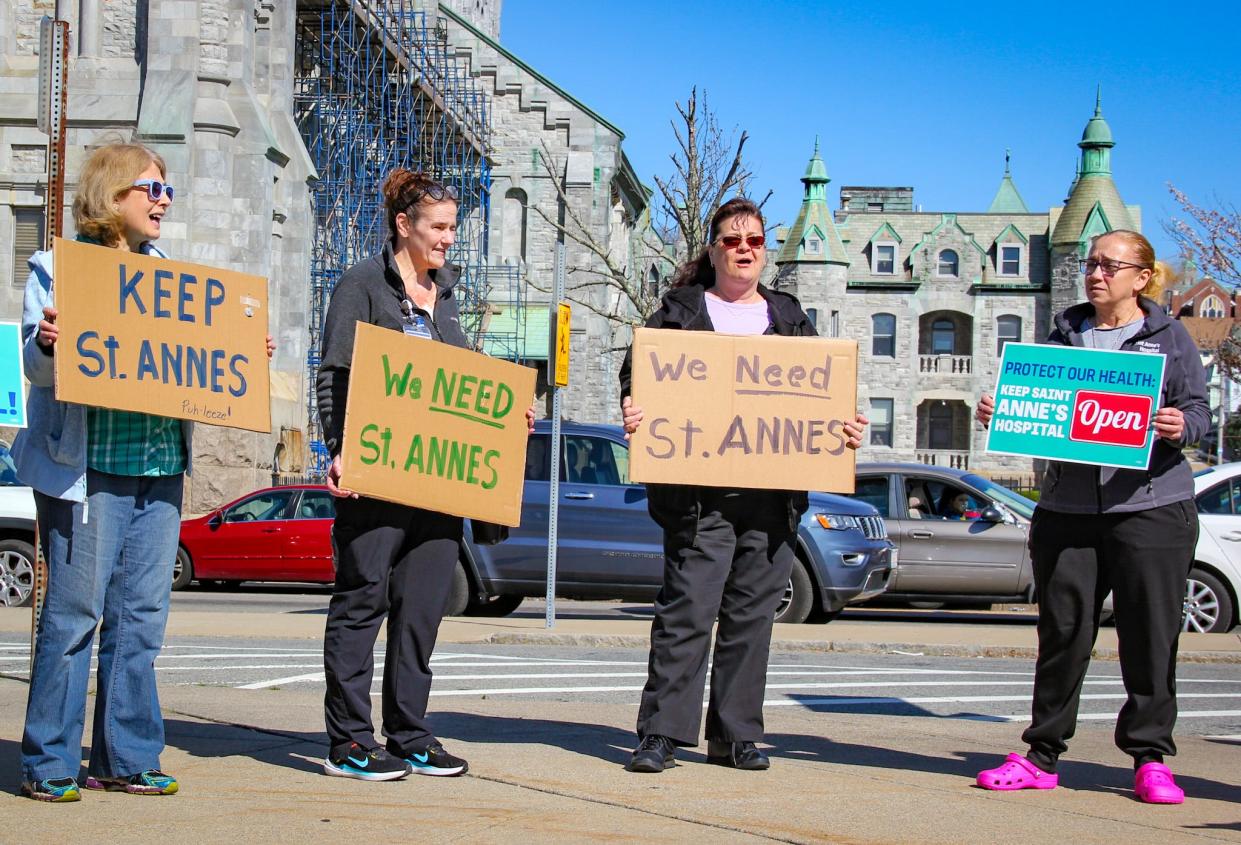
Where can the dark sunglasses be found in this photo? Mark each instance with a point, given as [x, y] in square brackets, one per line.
[434, 192]
[156, 190]
[734, 241]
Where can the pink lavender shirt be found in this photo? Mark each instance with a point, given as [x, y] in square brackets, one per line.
[737, 317]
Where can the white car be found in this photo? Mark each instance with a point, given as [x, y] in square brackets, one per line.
[16, 536]
[1215, 580]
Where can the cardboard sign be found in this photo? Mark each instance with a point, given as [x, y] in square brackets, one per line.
[12, 388]
[436, 427]
[1089, 406]
[736, 411]
[140, 333]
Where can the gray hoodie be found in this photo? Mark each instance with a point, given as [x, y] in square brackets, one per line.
[1080, 488]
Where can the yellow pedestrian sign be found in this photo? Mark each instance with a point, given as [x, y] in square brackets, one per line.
[562, 344]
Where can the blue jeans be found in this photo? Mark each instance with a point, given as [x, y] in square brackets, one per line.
[109, 559]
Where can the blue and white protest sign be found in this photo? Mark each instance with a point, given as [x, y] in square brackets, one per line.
[12, 388]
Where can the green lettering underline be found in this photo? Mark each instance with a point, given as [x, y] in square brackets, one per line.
[465, 416]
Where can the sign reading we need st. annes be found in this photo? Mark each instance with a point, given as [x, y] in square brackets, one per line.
[1090, 406]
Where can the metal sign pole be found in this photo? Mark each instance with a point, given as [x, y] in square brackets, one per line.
[53, 105]
[554, 364]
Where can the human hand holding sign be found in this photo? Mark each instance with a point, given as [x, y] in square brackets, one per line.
[1169, 424]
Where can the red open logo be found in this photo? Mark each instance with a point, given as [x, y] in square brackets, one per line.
[1117, 419]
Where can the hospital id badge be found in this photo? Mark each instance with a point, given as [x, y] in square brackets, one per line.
[417, 327]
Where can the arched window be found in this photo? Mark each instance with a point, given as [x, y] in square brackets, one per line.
[949, 263]
[939, 431]
[1213, 307]
[943, 337]
[513, 234]
[1007, 330]
[652, 281]
[883, 335]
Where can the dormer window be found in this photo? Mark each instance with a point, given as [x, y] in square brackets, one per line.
[814, 246]
[885, 259]
[1010, 260]
[949, 264]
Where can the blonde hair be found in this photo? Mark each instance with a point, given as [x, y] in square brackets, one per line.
[1162, 275]
[106, 175]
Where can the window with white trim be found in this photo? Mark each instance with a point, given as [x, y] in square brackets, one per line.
[949, 264]
[883, 335]
[814, 246]
[1010, 260]
[1007, 330]
[883, 259]
[1213, 307]
[881, 422]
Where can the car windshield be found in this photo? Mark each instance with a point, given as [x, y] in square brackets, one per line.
[1017, 502]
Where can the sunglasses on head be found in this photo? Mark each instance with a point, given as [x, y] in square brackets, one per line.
[156, 190]
[734, 241]
[434, 192]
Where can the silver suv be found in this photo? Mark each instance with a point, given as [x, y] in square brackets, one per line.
[16, 536]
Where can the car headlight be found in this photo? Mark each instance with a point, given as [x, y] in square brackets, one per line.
[837, 521]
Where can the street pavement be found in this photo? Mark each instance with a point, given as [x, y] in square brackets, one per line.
[874, 738]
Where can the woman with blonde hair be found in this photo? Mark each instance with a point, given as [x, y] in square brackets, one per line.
[107, 487]
[1131, 532]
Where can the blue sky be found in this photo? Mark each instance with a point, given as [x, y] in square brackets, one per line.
[902, 97]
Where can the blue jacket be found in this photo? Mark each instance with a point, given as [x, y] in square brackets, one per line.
[1085, 489]
[50, 453]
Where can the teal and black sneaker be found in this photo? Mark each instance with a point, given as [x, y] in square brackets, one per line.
[434, 760]
[52, 789]
[354, 761]
[150, 782]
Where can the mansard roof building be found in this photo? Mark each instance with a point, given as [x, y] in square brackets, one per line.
[933, 297]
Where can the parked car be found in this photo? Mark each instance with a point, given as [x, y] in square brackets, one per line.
[17, 518]
[974, 553]
[608, 547]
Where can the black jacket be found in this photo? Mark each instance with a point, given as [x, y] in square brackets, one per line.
[1080, 488]
[371, 291]
[675, 507]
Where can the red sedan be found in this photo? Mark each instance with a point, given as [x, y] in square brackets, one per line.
[277, 534]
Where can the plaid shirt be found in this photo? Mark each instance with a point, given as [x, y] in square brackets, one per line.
[130, 443]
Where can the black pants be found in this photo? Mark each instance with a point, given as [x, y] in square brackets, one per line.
[736, 567]
[1143, 558]
[394, 560]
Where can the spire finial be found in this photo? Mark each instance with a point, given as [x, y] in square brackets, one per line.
[1098, 100]
[1008, 154]
[816, 144]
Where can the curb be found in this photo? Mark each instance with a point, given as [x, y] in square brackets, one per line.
[840, 647]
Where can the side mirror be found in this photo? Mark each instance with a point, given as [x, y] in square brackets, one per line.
[214, 522]
[992, 513]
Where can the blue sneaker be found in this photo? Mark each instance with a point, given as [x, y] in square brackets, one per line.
[434, 760]
[354, 761]
[52, 789]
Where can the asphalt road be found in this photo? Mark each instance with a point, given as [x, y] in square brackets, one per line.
[894, 684]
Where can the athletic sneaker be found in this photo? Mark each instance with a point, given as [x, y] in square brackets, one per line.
[434, 760]
[354, 761]
[52, 789]
[150, 782]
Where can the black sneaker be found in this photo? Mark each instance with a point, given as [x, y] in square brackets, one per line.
[737, 755]
[354, 761]
[434, 760]
[654, 754]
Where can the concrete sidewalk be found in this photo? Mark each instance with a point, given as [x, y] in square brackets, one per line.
[249, 765]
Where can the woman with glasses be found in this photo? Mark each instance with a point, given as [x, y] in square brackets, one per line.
[390, 559]
[728, 553]
[1130, 532]
[107, 487]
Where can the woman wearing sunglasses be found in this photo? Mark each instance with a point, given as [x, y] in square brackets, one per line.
[1130, 532]
[390, 559]
[728, 553]
[107, 487]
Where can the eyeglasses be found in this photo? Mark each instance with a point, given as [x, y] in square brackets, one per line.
[433, 191]
[734, 241]
[1110, 268]
[156, 190]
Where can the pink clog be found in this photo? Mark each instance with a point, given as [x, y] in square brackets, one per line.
[1017, 773]
[1153, 784]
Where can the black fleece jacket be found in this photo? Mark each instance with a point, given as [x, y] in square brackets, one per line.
[675, 507]
[371, 291]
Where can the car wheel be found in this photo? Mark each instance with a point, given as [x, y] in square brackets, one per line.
[459, 594]
[16, 573]
[182, 570]
[1208, 607]
[494, 607]
[798, 596]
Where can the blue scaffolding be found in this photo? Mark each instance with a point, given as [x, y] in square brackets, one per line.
[376, 88]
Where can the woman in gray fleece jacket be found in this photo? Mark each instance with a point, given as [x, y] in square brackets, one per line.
[1127, 531]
